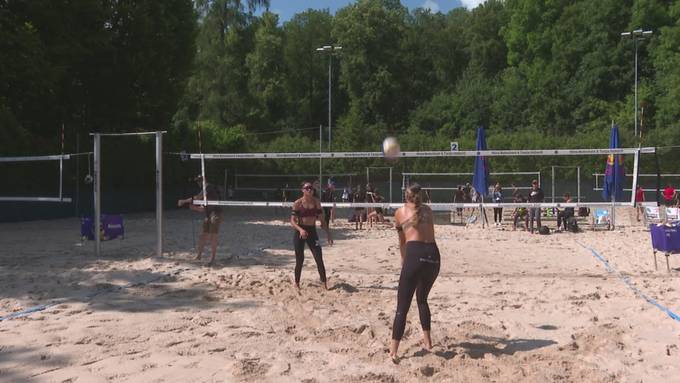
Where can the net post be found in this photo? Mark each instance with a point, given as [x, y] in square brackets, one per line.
[97, 194]
[613, 211]
[578, 184]
[636, 164]
[390, 184]
[320, 159]
[159, 194]
[552, 176]
[205, 197]
[61, 166]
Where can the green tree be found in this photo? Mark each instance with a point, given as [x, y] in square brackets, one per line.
[306, 70]
[666, 61]
[370, 32]
[266, 74]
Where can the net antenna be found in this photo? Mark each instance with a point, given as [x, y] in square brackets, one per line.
[426, 154]
[97, 137]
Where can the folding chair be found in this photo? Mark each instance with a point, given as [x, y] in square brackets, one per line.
[601, 219]
[652, 215]
[672, 214]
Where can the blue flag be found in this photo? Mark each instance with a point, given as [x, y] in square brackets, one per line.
[615, 172]
[481, 175]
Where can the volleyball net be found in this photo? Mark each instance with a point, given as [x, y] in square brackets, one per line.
[459, 165]
[25, 180]
[265, 180]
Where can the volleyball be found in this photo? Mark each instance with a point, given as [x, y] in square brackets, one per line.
[390, 148]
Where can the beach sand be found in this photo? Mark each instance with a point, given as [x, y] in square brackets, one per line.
[507, 306]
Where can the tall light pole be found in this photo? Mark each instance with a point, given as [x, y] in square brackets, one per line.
[330, 49]
[636, 35]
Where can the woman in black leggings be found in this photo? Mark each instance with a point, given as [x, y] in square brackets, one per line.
[420, 264]
[306, 211]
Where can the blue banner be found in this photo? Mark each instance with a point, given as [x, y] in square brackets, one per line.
[614, 173]
[480, 179]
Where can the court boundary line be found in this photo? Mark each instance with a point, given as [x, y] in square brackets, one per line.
[630, 285]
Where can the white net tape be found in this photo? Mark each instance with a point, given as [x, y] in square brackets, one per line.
[425, 154]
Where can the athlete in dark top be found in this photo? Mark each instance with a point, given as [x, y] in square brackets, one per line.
[360, 197]
[213, 217]
[306, 211]
[564, 215]
[328, 195]
[535, 195]
[420, 261]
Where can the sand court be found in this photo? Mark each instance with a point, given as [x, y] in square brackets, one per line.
[506, 306]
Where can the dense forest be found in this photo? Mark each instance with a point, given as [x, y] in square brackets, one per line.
[534, 73]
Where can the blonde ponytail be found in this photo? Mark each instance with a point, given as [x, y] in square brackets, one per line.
[413, 196]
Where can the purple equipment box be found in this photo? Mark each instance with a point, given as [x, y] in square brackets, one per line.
[666, 239]
[111, 227]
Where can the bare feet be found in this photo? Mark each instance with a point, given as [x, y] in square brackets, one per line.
[427, 340]
[394, 346]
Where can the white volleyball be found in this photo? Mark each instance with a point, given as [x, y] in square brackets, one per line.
[390, 148]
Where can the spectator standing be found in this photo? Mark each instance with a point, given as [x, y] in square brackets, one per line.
[535, 196]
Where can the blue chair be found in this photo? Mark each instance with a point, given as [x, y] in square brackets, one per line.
[601, 219]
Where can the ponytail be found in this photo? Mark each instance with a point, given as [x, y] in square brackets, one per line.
[413, 195]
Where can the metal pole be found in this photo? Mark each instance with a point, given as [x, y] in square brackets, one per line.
[159, 194]
[636, 87]
[77, 204]
[330, 92]
[390, 184]
[61, 177]
[613, 211]
[320, 160]
[97, 194]
[225, 181]
[636, 165]
[578, 184]
[552, 175]
[205, 197]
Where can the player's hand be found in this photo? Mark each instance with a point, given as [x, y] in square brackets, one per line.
[180, 203]
[303, 234]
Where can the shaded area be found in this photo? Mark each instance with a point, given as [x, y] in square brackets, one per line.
[499, 346]
[13, 358]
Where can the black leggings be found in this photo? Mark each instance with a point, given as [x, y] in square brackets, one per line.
[418, 274]
[498, 211]
[312, 241]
